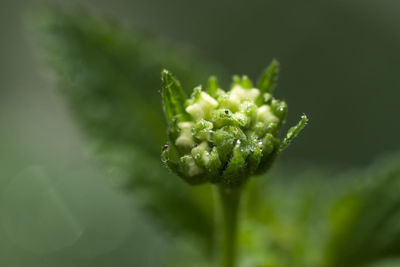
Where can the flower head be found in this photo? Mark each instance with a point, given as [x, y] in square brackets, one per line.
[224, 136]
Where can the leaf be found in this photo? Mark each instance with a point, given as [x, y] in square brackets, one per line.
[246, 82]
[110, 78]
[172, 204]
[267, 81]
[365, 220]
[322, 219]
[386, 263]
[173, 97]
[293, 133]
[212, 86]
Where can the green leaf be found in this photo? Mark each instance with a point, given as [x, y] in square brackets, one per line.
[236, 166]
[246, 82]
[109, 77]
[212, 86]
[324, 219]
[386, 263]
[173, 97]
[365, 220]
[173, 205]
[236, 80]
[267, 81]
[255, 158]
[293, 133]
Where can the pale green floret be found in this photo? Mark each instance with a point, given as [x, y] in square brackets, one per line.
[185, 138]
[191, 167]
[267, 97]
[220, 92]
[236, 96]
[241, 119]
[225, 101]
[249, 109]
[222, 117]
[201, 154]
[202, 130]
[202, 107]
[233, 102]
[203, 147]
[244, 94]
[236, 107]
[203, 159]
[264, 114]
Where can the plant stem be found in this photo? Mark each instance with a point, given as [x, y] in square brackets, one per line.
[229, 199]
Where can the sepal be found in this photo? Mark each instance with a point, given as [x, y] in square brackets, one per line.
[173, 98]
[293, 133]
[267, 81]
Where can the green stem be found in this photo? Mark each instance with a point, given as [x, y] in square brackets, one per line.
[229, 199]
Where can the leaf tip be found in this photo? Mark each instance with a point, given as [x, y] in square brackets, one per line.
[165, 74]
[293, 132]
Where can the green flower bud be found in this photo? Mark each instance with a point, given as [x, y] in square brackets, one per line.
[224, 137]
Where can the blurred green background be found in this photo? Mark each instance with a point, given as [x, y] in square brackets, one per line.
[340, 66]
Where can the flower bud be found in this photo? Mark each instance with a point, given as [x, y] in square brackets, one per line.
[224, 137]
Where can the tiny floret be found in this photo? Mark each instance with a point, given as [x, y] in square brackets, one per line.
[185, 138]
[224, 137]
[202, 106]
[264, 114]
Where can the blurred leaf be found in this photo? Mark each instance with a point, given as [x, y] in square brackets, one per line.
[111, 79]
[268, 80]
[293, 133]
[212, 86]
[366, 220]
[386, 263]
[185, 210]
[111, 76]
[173, 97]
[321, 219]
[284, 229]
